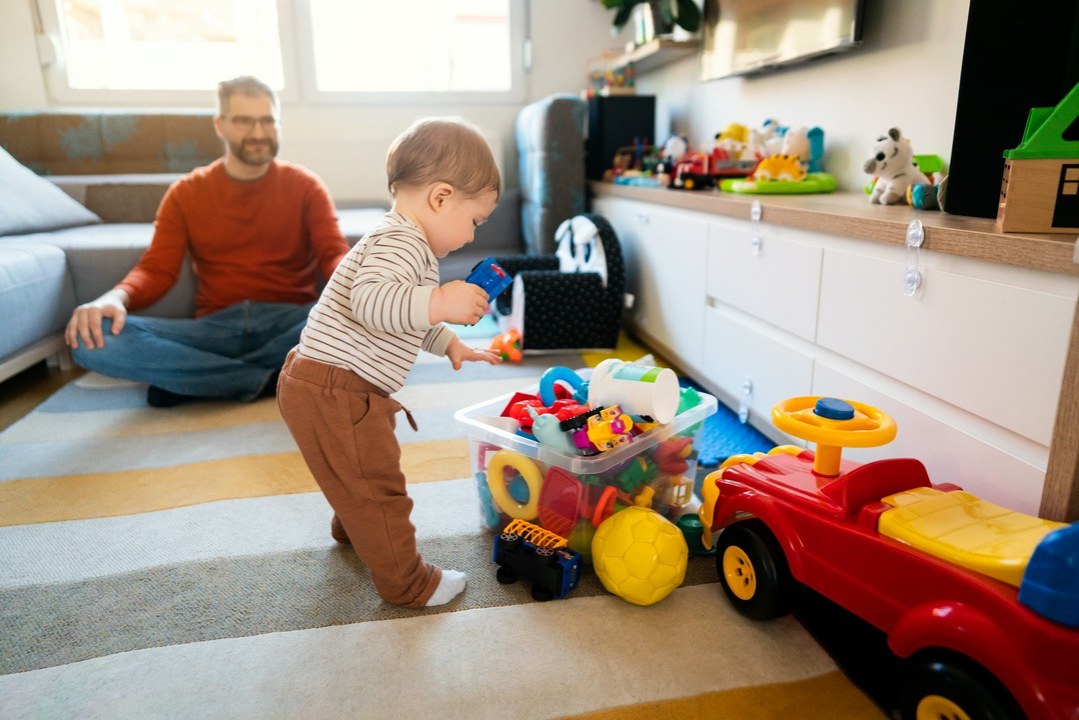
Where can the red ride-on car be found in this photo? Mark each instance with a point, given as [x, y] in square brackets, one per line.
[981, 603]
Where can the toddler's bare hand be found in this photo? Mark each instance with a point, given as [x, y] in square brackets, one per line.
[458, 302]
[459, 354]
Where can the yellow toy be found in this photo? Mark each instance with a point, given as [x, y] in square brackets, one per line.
[500, 494]
[779, 167]
[639, 555]
[610, 429]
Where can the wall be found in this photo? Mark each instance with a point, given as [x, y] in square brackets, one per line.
[346, 144]
[905, 74]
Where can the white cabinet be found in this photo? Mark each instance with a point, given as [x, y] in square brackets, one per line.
[666, 253]
[751, 366]
[769, 272]
[985, 338]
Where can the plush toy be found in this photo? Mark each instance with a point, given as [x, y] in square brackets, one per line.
[766, 140]
[675, 149]
[892, 163]
[807, 144]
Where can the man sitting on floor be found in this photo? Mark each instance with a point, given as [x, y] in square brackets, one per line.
[258, 231]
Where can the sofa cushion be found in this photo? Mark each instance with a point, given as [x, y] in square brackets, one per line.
[99, 256]
[33, 204]
[118, 198]
[550, 146]
[35, 276]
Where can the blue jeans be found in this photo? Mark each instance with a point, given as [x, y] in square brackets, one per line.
[232, 353]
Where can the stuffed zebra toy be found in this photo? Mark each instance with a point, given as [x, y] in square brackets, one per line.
[892, 164]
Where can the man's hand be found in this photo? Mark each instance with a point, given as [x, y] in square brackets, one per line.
[85, 323]
[458, 302]
[459, 353]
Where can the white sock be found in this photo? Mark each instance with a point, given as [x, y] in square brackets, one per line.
[449, 587]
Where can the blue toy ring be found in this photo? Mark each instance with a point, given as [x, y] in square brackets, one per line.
[553, 375]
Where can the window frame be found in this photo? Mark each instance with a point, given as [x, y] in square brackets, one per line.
[298, 64]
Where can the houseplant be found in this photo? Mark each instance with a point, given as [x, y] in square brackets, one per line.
[683, 13]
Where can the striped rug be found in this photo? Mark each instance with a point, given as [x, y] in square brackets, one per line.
[178, 564]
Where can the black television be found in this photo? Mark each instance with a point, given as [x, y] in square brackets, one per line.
[743, 37]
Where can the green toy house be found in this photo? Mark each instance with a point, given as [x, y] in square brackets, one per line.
[1040, 190]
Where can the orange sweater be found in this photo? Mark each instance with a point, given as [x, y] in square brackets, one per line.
[264, 240]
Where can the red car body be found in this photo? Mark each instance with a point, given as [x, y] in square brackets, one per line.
[827, 530]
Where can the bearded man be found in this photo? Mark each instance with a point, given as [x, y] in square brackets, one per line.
[261, 234]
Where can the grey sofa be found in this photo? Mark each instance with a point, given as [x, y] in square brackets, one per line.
[56, 253]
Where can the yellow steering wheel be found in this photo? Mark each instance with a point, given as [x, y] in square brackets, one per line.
[833, 424]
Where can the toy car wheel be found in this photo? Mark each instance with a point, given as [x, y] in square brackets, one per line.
[954, 687]
[541, 595]
[505, 576]
[546, 556]
[754, 571]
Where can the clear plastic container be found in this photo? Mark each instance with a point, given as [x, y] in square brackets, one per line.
[570, 495]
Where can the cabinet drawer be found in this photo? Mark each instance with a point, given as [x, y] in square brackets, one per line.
[979, 342]
[777, 280]
[992, 463]
[665, 266]
[737, 352]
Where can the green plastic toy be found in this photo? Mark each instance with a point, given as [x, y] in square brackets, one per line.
[820, 182]
[1043, 136]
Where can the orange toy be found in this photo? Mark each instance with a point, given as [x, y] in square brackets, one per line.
[508, 345]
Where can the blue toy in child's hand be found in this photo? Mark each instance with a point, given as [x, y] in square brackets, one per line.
[490, 276]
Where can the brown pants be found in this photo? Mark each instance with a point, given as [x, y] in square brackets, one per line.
[344, 427]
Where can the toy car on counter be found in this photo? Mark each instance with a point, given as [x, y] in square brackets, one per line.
[980, 603]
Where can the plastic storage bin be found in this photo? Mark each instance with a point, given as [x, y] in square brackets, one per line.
[570, 495]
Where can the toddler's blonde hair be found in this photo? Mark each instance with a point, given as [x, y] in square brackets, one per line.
[443, 149]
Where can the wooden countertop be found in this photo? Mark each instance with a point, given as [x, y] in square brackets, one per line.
[851, 214]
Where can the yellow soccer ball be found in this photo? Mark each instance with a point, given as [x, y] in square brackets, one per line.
[639, 555]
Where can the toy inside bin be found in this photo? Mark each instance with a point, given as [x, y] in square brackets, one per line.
[570, 495]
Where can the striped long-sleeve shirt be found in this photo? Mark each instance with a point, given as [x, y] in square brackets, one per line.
[372, 317]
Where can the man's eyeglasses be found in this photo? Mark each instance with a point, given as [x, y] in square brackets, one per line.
[246, 122]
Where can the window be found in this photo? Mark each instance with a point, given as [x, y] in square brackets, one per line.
[447, 46]
[154, 45]
[167, 51]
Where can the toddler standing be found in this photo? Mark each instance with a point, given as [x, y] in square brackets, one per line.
[382, 306]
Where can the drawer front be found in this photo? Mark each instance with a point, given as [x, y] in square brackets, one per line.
[777, 279]
[998, 466]
[737, 353]
[989, 347]
[665, 256]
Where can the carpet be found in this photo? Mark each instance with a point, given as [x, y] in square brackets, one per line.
[178, 564]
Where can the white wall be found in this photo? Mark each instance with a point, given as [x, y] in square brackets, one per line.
[346, 145]
[906, 74]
